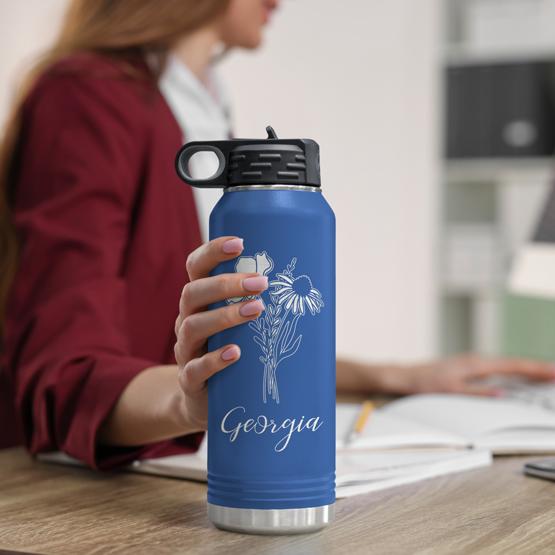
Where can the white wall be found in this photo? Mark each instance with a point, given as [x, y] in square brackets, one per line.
[25, 29]
[360, 78]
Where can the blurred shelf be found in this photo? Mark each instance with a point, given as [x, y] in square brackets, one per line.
[461, 55]
[494, 170]
[504, 194]
[471, 291]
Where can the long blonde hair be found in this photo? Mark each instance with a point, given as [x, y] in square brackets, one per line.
[116, 28]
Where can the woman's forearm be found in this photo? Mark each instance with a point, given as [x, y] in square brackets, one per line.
[358, 377]
[151, 408]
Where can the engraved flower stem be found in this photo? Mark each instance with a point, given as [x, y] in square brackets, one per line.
[274, 360]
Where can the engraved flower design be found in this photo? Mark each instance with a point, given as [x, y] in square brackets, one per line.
[260, 263]
[275, 331]
[296, 293]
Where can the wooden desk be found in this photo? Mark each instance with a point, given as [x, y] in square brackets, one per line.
[62, 510]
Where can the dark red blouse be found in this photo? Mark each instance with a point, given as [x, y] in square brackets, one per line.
[105, 228]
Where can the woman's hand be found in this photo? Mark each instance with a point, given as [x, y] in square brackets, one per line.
[195, 323]
[156, 404]
[467, 374]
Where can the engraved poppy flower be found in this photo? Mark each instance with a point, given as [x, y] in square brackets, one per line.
[296, 294]
[260, 263]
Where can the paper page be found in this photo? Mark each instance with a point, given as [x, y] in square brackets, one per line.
[385, 431]
[369, 466]
[471, 417]
[395, 472]
[357, 471]
[518, 441]
[189, 466]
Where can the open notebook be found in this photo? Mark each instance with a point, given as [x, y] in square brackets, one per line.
[408, 440]
[358, 471]
[412, 439]
[457, 421]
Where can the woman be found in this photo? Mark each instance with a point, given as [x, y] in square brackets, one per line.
[101, 242]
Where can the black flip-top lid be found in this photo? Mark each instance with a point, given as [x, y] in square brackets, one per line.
[270, 161]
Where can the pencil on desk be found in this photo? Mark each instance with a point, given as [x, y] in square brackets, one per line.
[365, 411]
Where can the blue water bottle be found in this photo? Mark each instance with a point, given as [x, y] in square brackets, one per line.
[271, 415]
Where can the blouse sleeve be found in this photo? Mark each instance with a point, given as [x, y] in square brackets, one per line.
[78, 171]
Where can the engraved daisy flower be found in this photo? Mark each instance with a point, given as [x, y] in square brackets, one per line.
[297, 294]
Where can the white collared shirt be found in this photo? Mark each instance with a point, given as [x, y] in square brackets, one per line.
[202, 113]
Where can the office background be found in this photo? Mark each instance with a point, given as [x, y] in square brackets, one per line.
[424, 242]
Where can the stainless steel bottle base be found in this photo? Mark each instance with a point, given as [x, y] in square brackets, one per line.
[271, 521]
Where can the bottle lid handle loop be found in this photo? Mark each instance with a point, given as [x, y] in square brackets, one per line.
[217, 179]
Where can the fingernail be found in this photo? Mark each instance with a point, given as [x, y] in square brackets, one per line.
[251, 308]
[231, 353]
[255, 283]
[233, 245]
